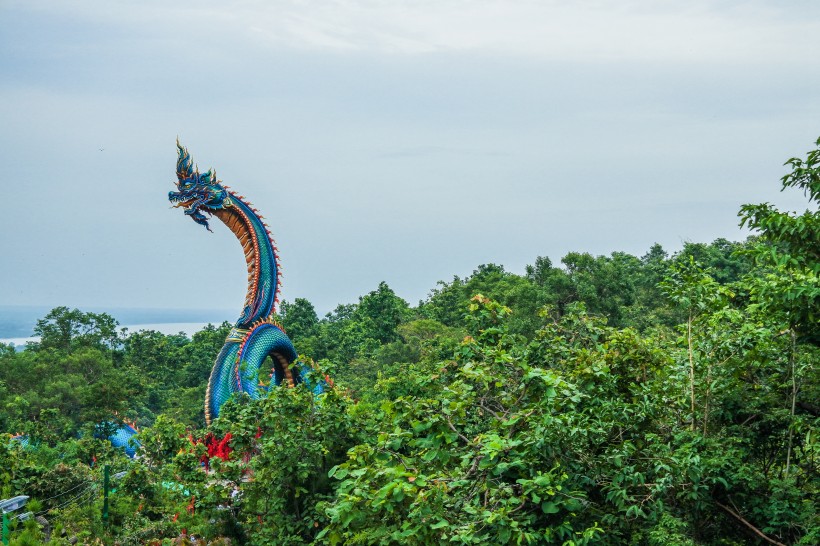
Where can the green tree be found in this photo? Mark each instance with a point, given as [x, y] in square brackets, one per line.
[300, 321]
[466, 462]
[790, 248]
[691, 287]
[381, 312]
[67, 329]
[295, 437]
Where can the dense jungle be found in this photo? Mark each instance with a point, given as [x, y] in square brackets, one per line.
[663, 399]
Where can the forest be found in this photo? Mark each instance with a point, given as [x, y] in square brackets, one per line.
[663, 399]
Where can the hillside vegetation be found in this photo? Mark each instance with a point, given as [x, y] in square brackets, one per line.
[657, 399]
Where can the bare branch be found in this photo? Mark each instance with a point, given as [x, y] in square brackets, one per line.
[460, 435]
[473, 468]
[754, 529]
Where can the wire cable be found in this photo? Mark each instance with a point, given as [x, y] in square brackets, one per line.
[67, 490]
[83, 497]
[74, 499]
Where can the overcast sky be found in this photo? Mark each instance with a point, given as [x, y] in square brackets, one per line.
[398, 141]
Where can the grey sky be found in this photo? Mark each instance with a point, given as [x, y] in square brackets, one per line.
[396, 141]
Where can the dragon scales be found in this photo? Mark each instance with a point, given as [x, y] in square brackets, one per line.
[255, 335]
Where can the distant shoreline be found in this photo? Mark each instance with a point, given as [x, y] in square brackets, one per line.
[167, 328]
[18, 321]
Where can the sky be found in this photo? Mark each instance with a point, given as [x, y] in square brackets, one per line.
[404, 142]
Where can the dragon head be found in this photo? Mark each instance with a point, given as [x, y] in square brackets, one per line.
[198, 192]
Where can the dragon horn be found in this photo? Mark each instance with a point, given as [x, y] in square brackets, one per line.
[184, 167]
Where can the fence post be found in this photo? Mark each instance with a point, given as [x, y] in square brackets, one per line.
[106, 471]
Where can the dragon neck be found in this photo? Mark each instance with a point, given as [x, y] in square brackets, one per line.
[260, 255]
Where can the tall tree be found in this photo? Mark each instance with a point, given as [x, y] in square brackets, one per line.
[790, 247]
[67, 329]
[299, 318]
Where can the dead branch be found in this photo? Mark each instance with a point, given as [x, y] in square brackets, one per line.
[754, 529]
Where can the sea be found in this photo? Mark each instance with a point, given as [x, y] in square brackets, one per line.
[17, 322]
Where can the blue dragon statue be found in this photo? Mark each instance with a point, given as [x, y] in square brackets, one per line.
[256, 335]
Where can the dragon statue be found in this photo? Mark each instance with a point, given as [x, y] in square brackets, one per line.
[256, 335]
[124, 437]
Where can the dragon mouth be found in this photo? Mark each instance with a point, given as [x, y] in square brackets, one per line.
[198, 200]
[180, 200]
[185, 204]
[193, 203]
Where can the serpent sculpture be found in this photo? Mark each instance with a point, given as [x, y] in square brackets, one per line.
[256, 335]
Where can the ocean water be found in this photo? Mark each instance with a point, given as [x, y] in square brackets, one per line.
[17, 322]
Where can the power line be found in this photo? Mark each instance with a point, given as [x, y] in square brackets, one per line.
[67, 490]
[86, 482]
[84, 493]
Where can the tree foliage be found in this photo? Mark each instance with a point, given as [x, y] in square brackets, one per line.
[666, 399]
